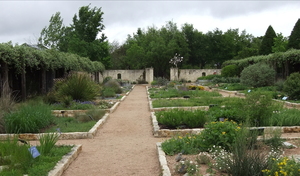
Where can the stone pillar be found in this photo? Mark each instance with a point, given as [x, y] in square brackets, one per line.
[149, 75]
[173, 74]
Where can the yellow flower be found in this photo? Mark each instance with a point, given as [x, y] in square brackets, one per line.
[223, 132]
[179, 137]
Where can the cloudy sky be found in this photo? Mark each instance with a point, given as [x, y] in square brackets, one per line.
[22, 21]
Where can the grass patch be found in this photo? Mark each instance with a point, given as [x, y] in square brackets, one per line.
[203, 101]
[19, 161]
[172, 93]
[78, 123]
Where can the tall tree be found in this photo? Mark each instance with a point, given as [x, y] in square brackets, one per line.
[51, 35]
[82, 37]
[294, 39]
[267, 42]
[280, 43]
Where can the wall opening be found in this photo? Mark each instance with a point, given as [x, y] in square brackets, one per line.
[119, 76]
[203, 74]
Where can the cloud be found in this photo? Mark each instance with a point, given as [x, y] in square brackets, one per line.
[21, 20]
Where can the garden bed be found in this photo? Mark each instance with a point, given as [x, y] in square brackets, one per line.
[63, 136]
[60, 166]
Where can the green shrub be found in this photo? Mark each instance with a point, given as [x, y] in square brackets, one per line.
[225, 80]
[209, 77]
[113, 85]
[79, 87]
[292, 86]
[230, 71]
[29, 118]
[108, 92]
[160, 81]
[178, 118]
[258, 75]
[219, 134]
[47, 142]
[259, 107]
[283, 166]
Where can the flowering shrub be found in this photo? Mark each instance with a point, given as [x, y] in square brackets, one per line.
[186, 167]
[194, 87]
[283, 167]
[220, 134]
[182, 144]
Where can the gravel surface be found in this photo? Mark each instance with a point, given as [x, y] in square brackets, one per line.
[123, 146]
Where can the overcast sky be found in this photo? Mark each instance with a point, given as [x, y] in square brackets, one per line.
[22, 21]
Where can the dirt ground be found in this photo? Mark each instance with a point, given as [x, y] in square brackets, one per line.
[124, 145]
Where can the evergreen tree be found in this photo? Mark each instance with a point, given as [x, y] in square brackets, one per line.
[294, 39]
[267, 42]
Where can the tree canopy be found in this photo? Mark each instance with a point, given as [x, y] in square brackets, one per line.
[267, 41]
[83, 37]
[294, 39]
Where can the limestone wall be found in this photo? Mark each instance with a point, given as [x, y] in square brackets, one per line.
[130, 75]
[191, 74]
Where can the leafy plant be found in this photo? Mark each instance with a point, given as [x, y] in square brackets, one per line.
[219, 134]
[292, 86]
[29, 118]
[47, 142]
[258, 75]
[79, 87]
[282, 166]
[186, 166]
[230, 71]
[178, 118]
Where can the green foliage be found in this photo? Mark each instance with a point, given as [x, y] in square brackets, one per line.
[178, 118]
[295, 36]
[186, 166]
[51, 35]
[78, 86]
[243, 158]
[189, 144]
[19, 162]
[205, 101]
[216, 80]
[230, 71]
[259, 108]
[159, 81]
[292, 86]
[111, 87]
[280, 43]
[219, 134]
[209, 77]
[267, 42]
[29, 118]
[234, 86]
[258, 75]
[283, 166]
[47, 142]
[284, 117]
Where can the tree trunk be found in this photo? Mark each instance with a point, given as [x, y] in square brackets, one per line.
[23, 83]
[4, 83]
[44, 81]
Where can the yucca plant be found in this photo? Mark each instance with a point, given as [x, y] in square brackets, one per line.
[79, 87]
[47, 142]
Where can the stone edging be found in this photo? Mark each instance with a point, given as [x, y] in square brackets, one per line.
[63, 136]
[165, 171]
[66, 160]
[72, 135]
[157, 132]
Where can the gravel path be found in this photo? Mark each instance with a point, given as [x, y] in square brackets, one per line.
[123, 146]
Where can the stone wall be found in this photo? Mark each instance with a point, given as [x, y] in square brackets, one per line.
[191, 74]
[130, 75]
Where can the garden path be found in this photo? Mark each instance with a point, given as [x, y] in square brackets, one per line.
[124, 145]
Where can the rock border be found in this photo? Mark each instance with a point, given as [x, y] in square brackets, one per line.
[66, 160]
[162, 160]
[71, 135]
